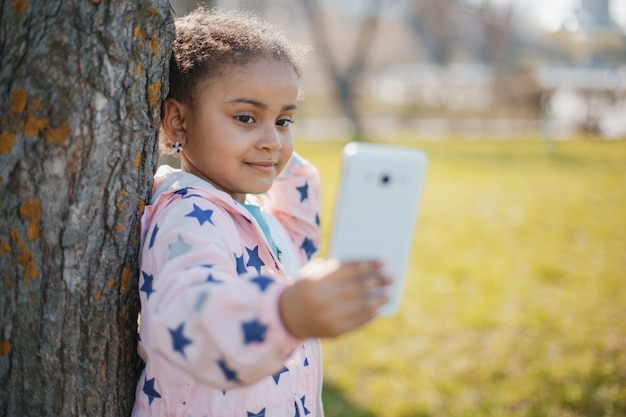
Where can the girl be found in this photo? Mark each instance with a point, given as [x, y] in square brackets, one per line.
[226, 329]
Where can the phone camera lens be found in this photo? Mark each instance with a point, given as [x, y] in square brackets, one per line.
[385, 179]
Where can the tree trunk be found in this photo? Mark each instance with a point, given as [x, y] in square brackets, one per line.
[346, 81]
[81, 84]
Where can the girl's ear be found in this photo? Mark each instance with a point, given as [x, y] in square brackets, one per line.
[173, 122]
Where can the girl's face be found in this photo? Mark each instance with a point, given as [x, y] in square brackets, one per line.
[238, 133]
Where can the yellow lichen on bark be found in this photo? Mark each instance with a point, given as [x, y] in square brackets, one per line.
[122, 204]
[119, 227]
[138, 33]
[140, 205]
[58, 136]
[24, 257]
[98, 294]
[19, 6]
[7, 142]
[36, 104]
[4, 247]
[155, 46]
[139, 69]
[31, 210]
[153, 91]
[5, 348]
[138, 160]
[125, 280]
[18, 100]
[32, 126]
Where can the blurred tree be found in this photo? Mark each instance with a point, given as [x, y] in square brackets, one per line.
[453, 30]
[433, 23]
[475, 31]
[345, 80]
[82, 83]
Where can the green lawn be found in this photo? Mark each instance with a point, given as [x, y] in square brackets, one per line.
[515, 303]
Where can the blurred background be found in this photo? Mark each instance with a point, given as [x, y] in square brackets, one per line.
[431, 68]
[515, 298]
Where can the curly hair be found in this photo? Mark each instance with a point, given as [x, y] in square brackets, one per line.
[210, 41]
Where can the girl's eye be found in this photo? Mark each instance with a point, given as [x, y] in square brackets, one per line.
[284, 122]
[245, 118]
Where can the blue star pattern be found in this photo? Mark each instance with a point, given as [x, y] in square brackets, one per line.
[147, 284]
[213, 280]
[229, 374]
[253, 331]
[276, 376]
[148, 389]
[304, 192]
[179, 341]
[262, 282]
[241, 267]
[153, 236]
[201, 215]
[306, 412]
[180, 247]
[259, 414]
[184, 193]
[254, 259]
[308, 247]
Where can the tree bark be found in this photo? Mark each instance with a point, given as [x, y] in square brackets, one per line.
[81, 85]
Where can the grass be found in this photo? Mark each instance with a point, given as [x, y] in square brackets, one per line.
[515, 303]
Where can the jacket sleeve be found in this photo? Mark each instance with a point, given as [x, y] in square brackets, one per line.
[201, 311]
[295, 200]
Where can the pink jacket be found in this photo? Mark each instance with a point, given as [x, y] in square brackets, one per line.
[211, 335]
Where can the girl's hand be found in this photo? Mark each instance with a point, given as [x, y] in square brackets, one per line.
[332, 298]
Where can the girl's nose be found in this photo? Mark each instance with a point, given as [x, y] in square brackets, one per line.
[271, 139]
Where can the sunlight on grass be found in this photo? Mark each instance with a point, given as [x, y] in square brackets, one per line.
[516, 301]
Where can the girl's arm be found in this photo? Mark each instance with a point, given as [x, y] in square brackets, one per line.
[199, 310]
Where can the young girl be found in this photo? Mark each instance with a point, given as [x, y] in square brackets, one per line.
[231, 306]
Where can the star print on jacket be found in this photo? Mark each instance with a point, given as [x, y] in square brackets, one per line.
[254, 259]
[229, 374]
[153, 236]
[178, 248]
[210, 284]
[306, 412]
[241, 267]
[179, 341]
[184, 193]
[148, 389]
[304, 192]
[147, 284]
[308, 247]
[276, 377]
[202, 215]
[254, 331]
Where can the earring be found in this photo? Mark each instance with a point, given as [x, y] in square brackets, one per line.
[177, 147]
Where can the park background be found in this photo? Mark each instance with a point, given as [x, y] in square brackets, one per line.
[515, 301]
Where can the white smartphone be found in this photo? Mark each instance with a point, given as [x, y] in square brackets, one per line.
[377, 208]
